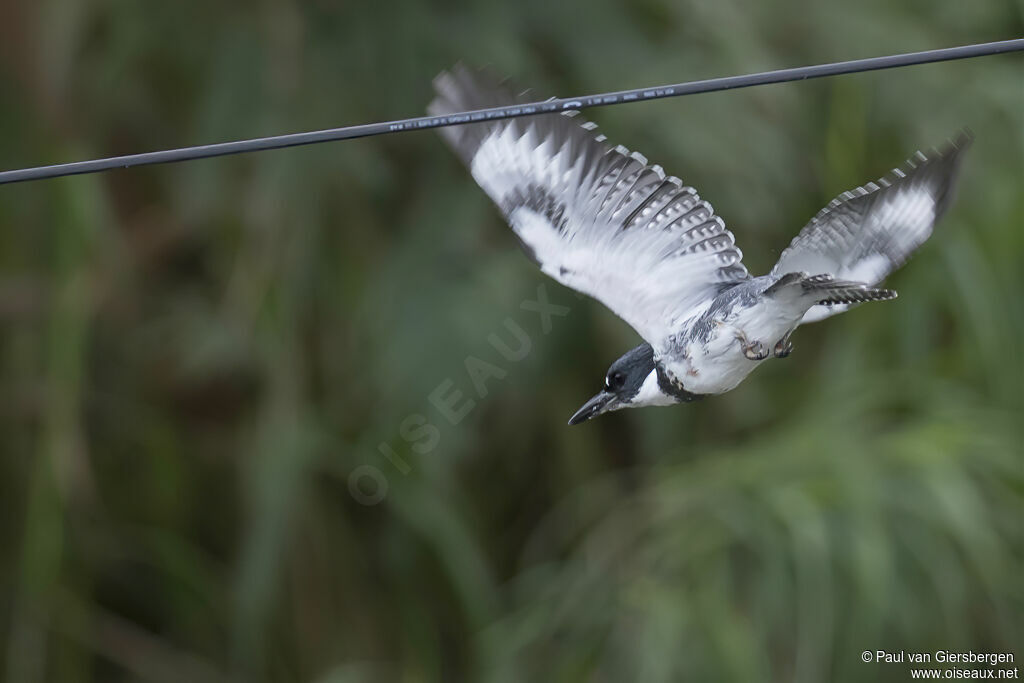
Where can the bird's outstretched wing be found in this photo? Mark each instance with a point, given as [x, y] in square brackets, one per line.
[867, 233]
[597, 218]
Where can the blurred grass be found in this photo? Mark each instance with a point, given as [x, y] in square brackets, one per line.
[195, 358]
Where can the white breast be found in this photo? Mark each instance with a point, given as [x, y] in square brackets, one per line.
[650, 393]
[720, 364]
[714, 368]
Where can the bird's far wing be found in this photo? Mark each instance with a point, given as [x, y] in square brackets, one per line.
[597, 218]
[866, 233]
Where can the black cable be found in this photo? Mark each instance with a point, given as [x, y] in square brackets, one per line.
[416, 123]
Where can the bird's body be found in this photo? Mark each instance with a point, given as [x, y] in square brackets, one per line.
[705, 358]
[715, 350]
[601, 220]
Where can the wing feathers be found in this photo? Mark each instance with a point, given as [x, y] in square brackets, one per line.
[890, 217]
[867, 233]
[596, 217]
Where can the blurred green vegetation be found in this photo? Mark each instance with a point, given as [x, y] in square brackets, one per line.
[194, 359]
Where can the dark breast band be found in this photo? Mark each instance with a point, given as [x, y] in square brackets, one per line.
[673, 387]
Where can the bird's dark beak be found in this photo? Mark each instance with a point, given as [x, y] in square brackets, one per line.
[601, 403]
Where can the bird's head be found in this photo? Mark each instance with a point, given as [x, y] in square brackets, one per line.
[631, 382]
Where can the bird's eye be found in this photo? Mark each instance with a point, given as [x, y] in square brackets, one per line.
[615, 380]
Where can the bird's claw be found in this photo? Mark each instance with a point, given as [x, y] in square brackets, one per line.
[755, 350]
[783, 348]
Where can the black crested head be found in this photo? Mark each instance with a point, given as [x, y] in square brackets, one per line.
[627, 374]
[622, 383]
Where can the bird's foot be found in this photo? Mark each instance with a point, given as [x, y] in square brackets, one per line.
[784, 347]
[754, 350]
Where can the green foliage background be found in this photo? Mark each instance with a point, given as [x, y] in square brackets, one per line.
[194, 359]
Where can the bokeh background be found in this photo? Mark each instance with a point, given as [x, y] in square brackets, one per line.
[199, 362]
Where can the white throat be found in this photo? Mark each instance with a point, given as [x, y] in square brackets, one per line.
[650, 394]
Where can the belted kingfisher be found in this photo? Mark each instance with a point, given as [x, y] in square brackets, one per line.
[602, 220]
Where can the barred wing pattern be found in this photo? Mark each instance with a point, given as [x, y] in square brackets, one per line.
[865, 234]
[596, 218]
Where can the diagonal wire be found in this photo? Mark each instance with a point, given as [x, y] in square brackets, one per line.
[421, 122]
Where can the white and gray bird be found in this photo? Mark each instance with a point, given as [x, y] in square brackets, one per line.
[602, 220]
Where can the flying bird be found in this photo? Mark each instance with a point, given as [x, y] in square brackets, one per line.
[603, 221]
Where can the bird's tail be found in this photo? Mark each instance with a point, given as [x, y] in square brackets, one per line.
[827, 290]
